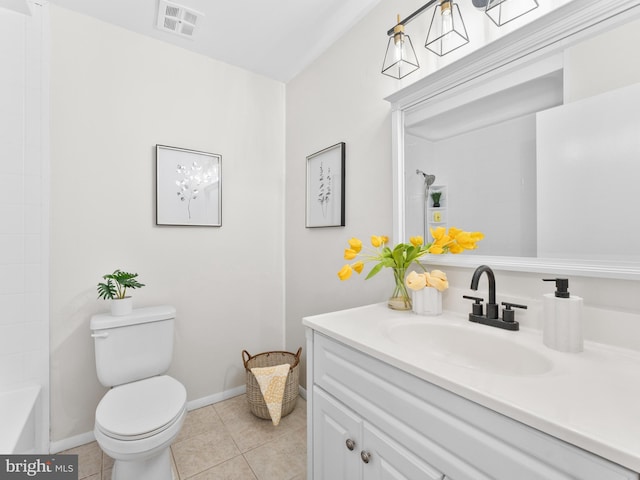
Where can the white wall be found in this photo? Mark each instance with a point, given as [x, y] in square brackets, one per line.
[612, 67]
[339, 98]
[24, 323]
[115, 95]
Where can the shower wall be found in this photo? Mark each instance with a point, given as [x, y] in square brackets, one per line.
[24, 198]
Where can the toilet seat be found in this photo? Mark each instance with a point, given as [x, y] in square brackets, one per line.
[141, 409]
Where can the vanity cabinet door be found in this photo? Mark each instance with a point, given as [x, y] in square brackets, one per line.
[337, 438]
[390, 461]
[347, 448]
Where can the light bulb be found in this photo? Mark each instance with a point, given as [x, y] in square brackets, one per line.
[398, 40]
[447, 20]
[397, 52]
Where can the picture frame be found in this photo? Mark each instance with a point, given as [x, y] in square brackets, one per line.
[325, 199]
[188, 187]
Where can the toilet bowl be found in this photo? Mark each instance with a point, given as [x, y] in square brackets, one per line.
[141, 415]
[137, 422]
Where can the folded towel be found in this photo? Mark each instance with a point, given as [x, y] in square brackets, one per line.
[272, 381]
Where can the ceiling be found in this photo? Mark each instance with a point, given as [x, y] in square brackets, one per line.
[274, 38]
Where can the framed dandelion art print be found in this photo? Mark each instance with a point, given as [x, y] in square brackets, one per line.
[188, 190]
[325, 187]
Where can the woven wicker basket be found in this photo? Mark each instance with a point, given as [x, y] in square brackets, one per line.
[271, 359]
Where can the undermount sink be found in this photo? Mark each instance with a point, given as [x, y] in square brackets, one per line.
[470, 348]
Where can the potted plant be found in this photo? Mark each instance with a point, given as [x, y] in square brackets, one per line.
[115, 289]
[435, 196]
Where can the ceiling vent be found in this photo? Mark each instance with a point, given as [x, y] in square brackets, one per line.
[177, 19]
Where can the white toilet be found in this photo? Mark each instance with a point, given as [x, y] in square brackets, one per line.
[138, 419]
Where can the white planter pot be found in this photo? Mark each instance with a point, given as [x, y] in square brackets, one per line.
[427, 301]
[121, 306]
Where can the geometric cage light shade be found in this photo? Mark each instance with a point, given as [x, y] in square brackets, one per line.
[400, 58]
[447, 31]
[503, 11]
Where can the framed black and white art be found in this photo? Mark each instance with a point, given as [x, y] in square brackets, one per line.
[325, 187]
[188, 189]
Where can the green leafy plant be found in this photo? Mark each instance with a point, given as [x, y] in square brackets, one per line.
[117, 283]
[435, 196]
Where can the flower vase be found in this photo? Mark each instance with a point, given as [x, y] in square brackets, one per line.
[400, 299]
[427, 301]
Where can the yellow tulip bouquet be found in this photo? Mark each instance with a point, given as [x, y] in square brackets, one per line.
[400, 258]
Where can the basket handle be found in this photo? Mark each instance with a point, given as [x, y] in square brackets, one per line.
[298, 353]
[245, 361]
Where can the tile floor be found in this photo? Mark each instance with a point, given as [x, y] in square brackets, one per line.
[224, 441]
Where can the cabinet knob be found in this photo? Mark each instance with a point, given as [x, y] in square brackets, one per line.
[350, 444]
[365, 456]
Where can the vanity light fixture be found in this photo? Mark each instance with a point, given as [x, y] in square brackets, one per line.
[447, 31]
[400, 59]
[503, 11]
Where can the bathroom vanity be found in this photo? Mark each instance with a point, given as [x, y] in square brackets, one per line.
[397, 395]
[393, 395]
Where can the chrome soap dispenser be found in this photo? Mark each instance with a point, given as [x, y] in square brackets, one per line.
[562, 321]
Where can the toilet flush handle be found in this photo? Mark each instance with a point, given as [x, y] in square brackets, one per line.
[100, 335]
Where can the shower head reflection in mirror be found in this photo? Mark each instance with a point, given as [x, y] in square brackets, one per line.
[428, 180]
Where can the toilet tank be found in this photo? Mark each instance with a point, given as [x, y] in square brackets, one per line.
[134, 346]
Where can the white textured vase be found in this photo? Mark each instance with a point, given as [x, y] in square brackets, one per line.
[121, 306]
[427, 301]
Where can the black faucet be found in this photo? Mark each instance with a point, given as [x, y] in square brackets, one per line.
[492, 306]
[507, 321]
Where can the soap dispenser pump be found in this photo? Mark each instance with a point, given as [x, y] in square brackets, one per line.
[562, 321]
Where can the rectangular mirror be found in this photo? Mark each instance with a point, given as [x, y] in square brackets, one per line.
[534, 142]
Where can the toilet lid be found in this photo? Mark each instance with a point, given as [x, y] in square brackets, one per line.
[141, 409]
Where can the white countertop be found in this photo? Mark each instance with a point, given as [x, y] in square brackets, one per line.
[589, 399]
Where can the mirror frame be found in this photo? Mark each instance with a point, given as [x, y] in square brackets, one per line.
[542, 38]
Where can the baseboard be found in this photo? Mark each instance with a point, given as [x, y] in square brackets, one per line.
[71, 442]
[88, 437]
[302, 391]
[216, 397]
